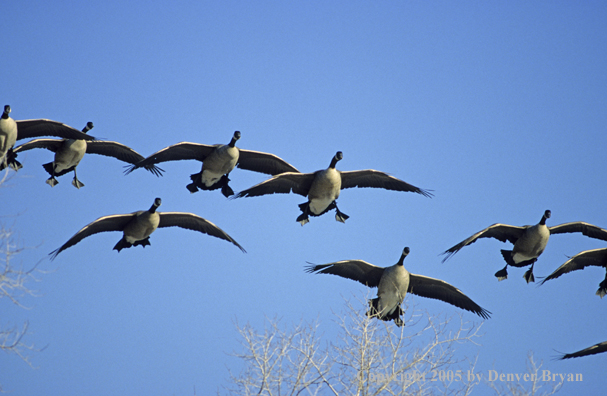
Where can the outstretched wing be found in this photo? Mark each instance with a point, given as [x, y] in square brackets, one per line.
[49, 144]
[596, 348]
[587, 229]
[596, 257]
[193, 222]
[358, 270]
[177, 152]
[41, 127]
[263, 162]
[440, 290]
[377, 179]
[120, 152]
[502, 232]
[102, 224]
[284, 183]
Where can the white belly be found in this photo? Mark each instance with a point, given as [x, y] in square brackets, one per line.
[392, 289]
[70, 154]
[8, 135]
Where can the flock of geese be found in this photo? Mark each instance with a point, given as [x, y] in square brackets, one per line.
[321, 188]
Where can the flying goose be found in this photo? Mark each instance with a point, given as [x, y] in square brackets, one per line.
[529, 241]
[69, 153]
[393, 284]
[138, 226]
[593, 350]
[11, 131]
[323, 187]
[217, 162]
[596, 257]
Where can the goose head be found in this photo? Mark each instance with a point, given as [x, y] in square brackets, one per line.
[546, 215]
[234, 138]
[338, 157]
[88, 127]
[406, 251]
[155, 205]
[7, 110]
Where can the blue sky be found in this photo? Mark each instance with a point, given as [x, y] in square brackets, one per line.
[497, 107]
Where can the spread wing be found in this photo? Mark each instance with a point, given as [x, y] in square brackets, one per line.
[120, 152]
[502, 232]
[596, 257]
[596, 348]
[193, 222]
[49, 144]
[587, 229]
[284, 183]
[440, 290]
[102, 224]
[358, 270]
[377, 179]
[177, 152]
[41, 127]
[263, 162]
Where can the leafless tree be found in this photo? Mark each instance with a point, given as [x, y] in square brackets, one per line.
[368, 357]
[533, 384]
[14, 285]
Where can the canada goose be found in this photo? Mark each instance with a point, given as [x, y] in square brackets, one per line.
[138, 226]
[69, 153]
[529, 242]
[323, 187]
[593, 350]
[596, 257]
[11, 131]
[393, 284]
[217, 162]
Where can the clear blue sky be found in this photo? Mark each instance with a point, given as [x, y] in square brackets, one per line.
[499, 107]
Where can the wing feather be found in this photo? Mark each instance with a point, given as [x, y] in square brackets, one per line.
[595, 257]
[377, 179]
[425, 286]
[358, 270]
[263, 162]
[284, 183]
[501, 232]
[177, 152]
[102, 224]
[41, 127]
[193, 222]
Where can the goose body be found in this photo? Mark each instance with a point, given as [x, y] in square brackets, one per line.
[217, 162]
[393, 283]
[137, 227]
[595, 257]
[601, 347]
[322, 188]
[11, 131]
[69, 153]
[529, 241]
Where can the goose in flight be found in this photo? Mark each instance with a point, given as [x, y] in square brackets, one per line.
[529, 241]
[394, 283]
[11, 131]
[137, 227]
[595, 257]
[593, 350]
[322, 187]
[69, 153]
[217, 162]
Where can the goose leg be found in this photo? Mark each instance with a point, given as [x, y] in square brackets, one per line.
[303, 218]
[192, 187]
[502, 274]
[75, 182]
[144, 242]
[50, 168]
[12, 160]
[225, 189]
[528, 276]
[602, 288]
[340, 216]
